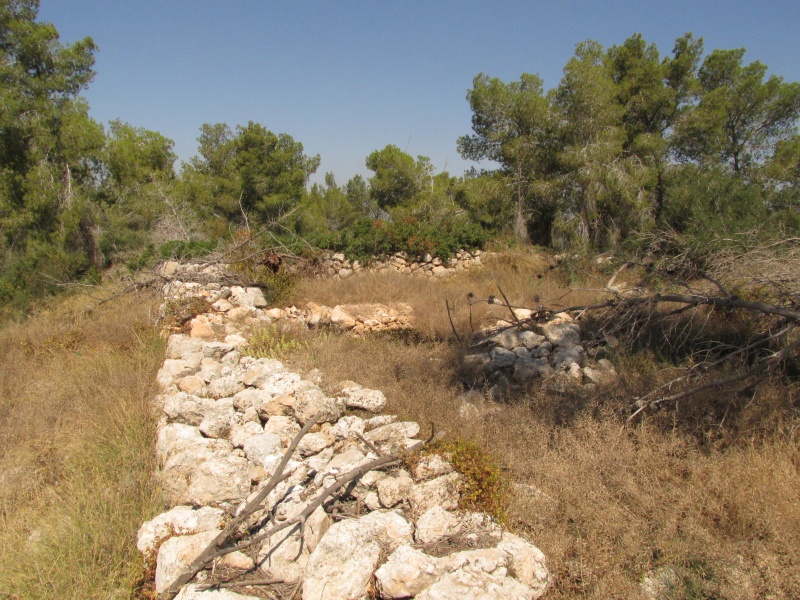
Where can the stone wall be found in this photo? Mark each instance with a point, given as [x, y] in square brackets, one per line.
[337, 266]
[227, 419]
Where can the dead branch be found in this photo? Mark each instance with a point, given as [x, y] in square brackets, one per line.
[214, 550]
[450, 317]
[236, 584]
[207, 555]
[632, 316]
[764, 365]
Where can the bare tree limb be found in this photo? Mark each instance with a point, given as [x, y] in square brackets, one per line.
[209, 553]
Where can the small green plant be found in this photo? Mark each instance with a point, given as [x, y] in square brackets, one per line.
[273, 342]
[486, 487]
[183, 249]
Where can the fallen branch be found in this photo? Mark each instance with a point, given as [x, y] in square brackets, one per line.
[208, 554]
[214, 550]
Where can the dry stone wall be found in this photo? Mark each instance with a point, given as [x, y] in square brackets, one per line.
[338, 266]
[226, 421]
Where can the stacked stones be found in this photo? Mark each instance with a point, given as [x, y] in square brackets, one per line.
[551, 352]
[227, 420]
[338, 266]
[236, 307]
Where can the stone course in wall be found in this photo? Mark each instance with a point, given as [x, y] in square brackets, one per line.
[227, 419]
[336, 265]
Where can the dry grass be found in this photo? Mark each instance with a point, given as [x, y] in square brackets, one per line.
[715, 499]
[76, 449]
[516, 273]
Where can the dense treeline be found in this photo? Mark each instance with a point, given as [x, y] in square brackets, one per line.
[629, 146]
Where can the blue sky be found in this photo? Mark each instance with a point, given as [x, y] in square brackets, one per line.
[347, 78]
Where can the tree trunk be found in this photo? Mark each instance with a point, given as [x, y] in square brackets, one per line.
[520, 224]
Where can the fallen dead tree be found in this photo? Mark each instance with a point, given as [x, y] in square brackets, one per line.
[774, 341]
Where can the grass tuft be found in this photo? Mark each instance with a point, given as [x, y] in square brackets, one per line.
[76, 449]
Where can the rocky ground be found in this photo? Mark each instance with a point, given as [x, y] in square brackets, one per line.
[228, 419]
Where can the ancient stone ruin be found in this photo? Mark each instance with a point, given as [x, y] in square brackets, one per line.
[230, 432]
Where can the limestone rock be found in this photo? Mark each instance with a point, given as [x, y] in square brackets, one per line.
[259, 447]
[241, 433]
[561, 333]
[342, 564]
[526, 562]
[317, 523]
[508, 339]
[185, 408]
[313, 401]
[174, 369]
[341, 319]
[434, 525]
[379, 421]
[180, 520]
[393, 432]
[201, 327]
[285, 428]
[280, 406]
[169, 269]
[314, 443]
[251, 297]
[238, 560]
[284, 556]
[250, 398]
[358, 397]
[224, 387]
[258, 371]
[527, 369]
[394, 490]
[469, 584]
[222, 480]
[280, 384]
[191, 384]
[347, 427]
[177, 553]
[563, 357]
[218, 419]
[502, 358]
[183, 347]
[443, 491]
[406, 573]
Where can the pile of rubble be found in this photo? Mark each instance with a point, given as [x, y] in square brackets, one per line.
[551, 351]
[338, 266]
[394, 531]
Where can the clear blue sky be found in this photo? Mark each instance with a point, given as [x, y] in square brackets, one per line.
[347, 78]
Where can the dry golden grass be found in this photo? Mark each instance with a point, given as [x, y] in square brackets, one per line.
[76, 449]
[715, 498]
[517, 274]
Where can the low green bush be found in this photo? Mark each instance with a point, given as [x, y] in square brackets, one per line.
[373, 238]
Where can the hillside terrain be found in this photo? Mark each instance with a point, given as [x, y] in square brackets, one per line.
[699, 498]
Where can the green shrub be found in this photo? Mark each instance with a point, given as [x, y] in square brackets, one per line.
[486, 487]
[373, 238]
[183, 249]
[272, 342]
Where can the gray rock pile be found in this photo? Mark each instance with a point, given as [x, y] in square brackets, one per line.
[395, 532]
[552, 352]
